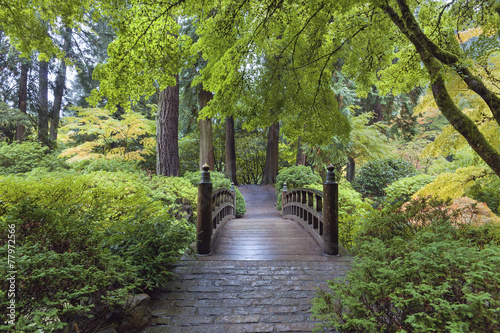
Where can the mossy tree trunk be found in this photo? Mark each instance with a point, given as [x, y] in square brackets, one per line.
[435, 59]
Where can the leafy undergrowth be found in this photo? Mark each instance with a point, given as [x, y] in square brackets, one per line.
[418, 270]
[86, 241]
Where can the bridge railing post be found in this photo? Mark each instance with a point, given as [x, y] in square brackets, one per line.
[283, 198]
[233, 191]
[331, 213]
[204, 218]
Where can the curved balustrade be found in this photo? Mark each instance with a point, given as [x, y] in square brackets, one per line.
[316, 211]
[223, 209]
[305, 205]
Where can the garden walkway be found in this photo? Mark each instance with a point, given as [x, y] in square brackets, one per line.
[261, 278]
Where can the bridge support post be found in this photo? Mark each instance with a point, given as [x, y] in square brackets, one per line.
[204, 220]
[233, 191]
[331, 213]
[283, 194]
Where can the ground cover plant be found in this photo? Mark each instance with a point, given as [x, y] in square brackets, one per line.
[418, 271]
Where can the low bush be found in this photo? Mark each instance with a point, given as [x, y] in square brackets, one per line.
[417, 271]
[294, 177]
[24, 157]
[353, 210]
[84, 242]
[219, 181]
[374, 176]
[106, 164]
[487, 191]
[402, 189]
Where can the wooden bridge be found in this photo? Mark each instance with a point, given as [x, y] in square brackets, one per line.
[257, 273]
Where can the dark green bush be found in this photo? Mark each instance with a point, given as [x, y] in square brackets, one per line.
[294, 177]
[219, 181]
[487, 191]
[62, 271]
[375, 175]
[353, 210]
[105, 164]
[402, 189]
[417, 271]
[85, 242]
[24, 157]
[152, 244]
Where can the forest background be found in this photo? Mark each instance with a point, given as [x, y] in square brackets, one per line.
[101, 100]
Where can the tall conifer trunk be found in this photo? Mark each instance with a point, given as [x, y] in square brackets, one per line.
[60, 87]
[351, 169]
[23, 97]
[43, 103]
[230, 150]
[167, 129]
[301, 158]
[271, 168]
[206, 136]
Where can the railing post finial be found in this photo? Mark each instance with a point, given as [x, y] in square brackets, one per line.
[205, 173]
[330, 174]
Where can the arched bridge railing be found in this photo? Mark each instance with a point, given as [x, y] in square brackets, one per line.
[214, 210]
[316, 211]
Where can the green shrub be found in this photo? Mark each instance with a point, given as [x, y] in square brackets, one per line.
[62, 271]
[416, 272]
[24, 157]
[403, 189]
[487, 191]
[353, 210]
[153, 244]
[85, 241]
[294, 177]
[189, 153]
[219, 181]
[177, 193]
[375, 175]
[105, 164]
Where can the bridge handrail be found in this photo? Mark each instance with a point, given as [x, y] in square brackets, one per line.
[214, 210]
[316, 211]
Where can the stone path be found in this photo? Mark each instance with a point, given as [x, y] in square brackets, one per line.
[256, 281]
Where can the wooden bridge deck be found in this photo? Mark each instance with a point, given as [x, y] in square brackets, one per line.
[262, 276]
[261, 234]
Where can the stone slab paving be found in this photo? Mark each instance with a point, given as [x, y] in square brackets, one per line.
[242, 296]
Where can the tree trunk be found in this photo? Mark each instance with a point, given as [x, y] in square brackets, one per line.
[167, 128]
[43, 103]
[230, 151]
[301, 158]
[378, 110]
[23, 97]
[271, 168]
[351, 168]
[60, 86]
[206, 137]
